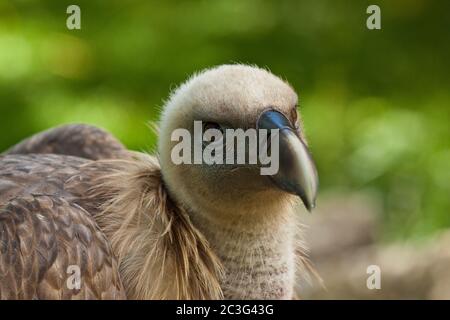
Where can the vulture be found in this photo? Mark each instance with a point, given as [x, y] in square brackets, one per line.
[82, 217]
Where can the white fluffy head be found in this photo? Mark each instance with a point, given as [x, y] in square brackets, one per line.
[233, 95]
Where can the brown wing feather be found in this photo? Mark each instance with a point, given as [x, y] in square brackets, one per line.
[43, 231]
[36, 174]
[79, 140]
[41, 236]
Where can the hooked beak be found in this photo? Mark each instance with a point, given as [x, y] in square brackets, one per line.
[297, 172]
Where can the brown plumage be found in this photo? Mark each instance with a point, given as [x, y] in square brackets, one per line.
[43, 232]
[142, 227]
[58, 210]
[77, 140]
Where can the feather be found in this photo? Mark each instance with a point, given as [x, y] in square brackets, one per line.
[36, 252]
[153, 240]
[79, 140]
[153, 237]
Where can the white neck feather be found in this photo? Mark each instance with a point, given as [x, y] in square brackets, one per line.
[259, 259]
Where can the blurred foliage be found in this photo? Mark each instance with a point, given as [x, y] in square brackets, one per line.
[375, 103]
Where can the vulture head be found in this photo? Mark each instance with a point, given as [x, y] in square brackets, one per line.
[236, 97]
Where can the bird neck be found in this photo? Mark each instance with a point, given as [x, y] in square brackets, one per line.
[258, 256]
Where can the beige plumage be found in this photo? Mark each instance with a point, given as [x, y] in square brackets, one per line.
[142, 227]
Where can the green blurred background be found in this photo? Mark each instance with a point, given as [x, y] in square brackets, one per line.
[375, 102]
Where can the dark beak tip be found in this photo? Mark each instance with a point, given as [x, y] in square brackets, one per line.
[309, 206]
[308, 202]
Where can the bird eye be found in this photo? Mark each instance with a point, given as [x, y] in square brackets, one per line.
[211, 125]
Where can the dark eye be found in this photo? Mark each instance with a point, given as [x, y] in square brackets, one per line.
[211, 125]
